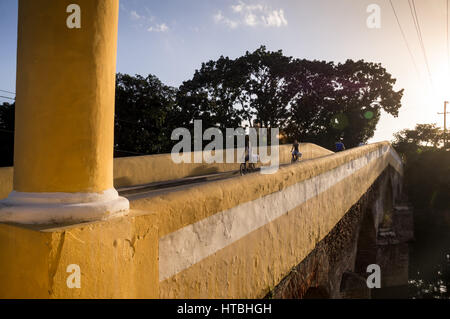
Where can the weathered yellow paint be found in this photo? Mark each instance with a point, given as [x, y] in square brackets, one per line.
[65, 97]
[119, 257]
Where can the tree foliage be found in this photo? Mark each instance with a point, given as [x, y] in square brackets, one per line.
[211, 96]
[312, 101]
[143, 109]
[427, 165]
[423, 137]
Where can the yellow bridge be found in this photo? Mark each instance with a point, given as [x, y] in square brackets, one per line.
[222, 236]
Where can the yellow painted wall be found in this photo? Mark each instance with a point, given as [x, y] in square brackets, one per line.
[131, 171]
[65, 97]
[118, 259]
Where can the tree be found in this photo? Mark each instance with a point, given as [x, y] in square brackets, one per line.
[341, 101]
[143, 123]
[266, 80]
[6, 134]
[427, 165]
[424, 137]
[313, 106]
[211, 96]
[313, 101]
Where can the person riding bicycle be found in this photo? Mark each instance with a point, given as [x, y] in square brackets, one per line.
[295, 151]
[340, 147]
[249, 156]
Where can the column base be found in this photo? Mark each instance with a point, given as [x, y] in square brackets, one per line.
[58, 208]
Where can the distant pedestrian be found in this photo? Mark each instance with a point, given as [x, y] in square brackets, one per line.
[340, 147]
[295, 151]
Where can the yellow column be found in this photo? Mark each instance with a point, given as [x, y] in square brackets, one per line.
[66, 65]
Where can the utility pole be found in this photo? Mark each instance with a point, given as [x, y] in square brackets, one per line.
[445, 123]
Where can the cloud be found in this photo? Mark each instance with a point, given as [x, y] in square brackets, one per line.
[275, 19]
[252, 15]
[134, 15]
[158, 28]
[238, 8]
[251, 20]
[220, 18]
[145, 20]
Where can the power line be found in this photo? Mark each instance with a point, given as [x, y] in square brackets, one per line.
[415, 16]
[8, 92]
[405, 39]
[9, 98]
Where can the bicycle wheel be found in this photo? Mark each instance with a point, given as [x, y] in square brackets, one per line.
[243, 169]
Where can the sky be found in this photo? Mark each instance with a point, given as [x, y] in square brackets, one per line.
[171, 38]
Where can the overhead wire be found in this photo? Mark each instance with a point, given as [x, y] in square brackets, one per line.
[405, 39]
[7, 92]
[412, 6]
[9, 98]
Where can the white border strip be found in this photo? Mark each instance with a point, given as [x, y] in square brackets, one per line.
[193, 243]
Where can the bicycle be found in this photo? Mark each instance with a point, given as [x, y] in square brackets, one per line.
[244, 169]
[295, 158]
